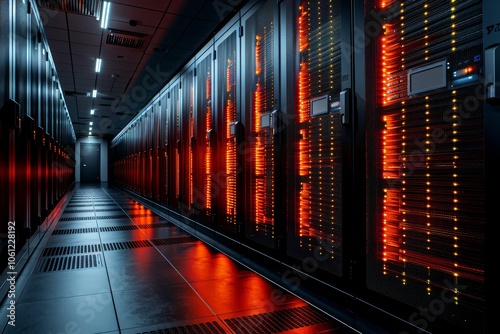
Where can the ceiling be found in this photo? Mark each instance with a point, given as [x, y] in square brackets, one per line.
[145, 44]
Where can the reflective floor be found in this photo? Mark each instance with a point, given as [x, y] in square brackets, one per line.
[113, 266]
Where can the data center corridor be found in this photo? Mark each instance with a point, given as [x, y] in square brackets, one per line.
[110, 265]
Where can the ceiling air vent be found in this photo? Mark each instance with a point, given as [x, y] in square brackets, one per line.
[124, 38]
[83, 7]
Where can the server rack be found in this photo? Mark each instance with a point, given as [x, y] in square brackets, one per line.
[426, 166]
[174, 142]
[204, 137]
[227, 130]
[9, 129]
[260, 117]
[164, 186]
[186, 140]
[316, 136]
[156, 153]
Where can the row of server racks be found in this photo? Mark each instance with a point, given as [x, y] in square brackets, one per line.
[353, 140]
[37, 139]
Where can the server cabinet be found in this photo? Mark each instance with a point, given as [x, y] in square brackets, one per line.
[4, 56]
[426, 214]
[25, 171]
[9, 130]
[141, 138]
[29, 129]
[315, 135]
[260, 118]
[174, 115]
[164, 144]
[20, 57]
[227, 130]
[41, 166]
[136, 144]
[203, 137]
[156, 114]
[150, 148]
[186, 140]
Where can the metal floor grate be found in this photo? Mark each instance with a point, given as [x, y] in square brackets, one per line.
[75, 231]
[118, 228]
[72, 262]
[69, 250]
[104, 210]
[154, 225]
[174, 241]
[112, 217]
[80, 204]
[142, 215]
[133, 227]
[77, 211]
[126, 245]
[277, 321]
[70, 219]
[204, 328]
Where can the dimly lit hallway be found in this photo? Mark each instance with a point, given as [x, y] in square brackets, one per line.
[110, 265]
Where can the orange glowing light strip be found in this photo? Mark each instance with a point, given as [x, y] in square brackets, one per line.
[393, 221]
[191, 135]
[258, 150]
[230, 145]
[178, 158]
[303, 82]
[208, 151]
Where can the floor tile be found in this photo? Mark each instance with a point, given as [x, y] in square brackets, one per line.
[127, 256]
[139, 275]
[158, 304]
[241, 293]
[213, 267]
[83, 314]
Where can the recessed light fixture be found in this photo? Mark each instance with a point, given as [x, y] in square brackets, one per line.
[92, 111]
[91, 123]
[94, 93]
[90, 133]
[98, 65]
[106, 6]
[90, 129]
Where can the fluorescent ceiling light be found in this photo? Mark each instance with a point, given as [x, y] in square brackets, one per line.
[94, 93]
[90, 133]
[98, 65]
[90, 129]
[105, 14]
[92, 111]
[91, 123]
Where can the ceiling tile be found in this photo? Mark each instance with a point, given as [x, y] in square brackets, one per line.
[61, 58]
[56, 34]
[85, 50]
[159, 5]
[124, 13]
[86, 38]
[174, 23]
[57, 46]
[187, 8]
[82, 23]
[53, 18]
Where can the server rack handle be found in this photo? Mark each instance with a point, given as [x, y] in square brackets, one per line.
[492, 70]
[345, 106]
